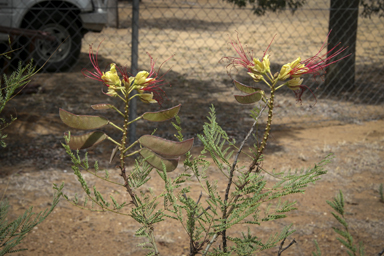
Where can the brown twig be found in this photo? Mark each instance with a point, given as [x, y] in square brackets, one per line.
[225, 214]
[281, 249]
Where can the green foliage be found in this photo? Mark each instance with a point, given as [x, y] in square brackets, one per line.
[9, 84]
[214, 139]
[381, 193]
[248, 196]
[318, 251]
[94, 196]
[13, 232]
[244, 201]
[346, 238]
[140, 173]
[205, 217]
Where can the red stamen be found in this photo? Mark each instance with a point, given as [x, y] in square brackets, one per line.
[96, 74]
[314, 65]
[153, 86]
[300, 91]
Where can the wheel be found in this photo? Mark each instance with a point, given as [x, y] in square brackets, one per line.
[62, 53]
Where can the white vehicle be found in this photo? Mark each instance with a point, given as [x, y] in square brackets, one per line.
[66, 20]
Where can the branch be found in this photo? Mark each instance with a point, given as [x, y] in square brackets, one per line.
[281, 249]
[210, 243]
[232, 172]
[246, 138]
[381, 253]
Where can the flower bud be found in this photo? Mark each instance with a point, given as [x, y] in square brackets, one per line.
[147, 97]
[111, 91]
[284, 72]
[111, 78]
[294, 83]
[255, 77]
[261, 67]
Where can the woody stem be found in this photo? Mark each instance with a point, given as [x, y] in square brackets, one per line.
[122, 151]
[253, 165]
[267, 127]
[125, 130]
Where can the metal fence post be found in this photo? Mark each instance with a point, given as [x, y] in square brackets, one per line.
[134, 66]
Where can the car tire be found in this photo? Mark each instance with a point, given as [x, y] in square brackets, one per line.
[62, 53]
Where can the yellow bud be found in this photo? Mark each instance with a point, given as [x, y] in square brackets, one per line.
[147, 97]
[286, 69]
[296, 62]
[255, 77]
[300, 70]
[284, 72]
[294, 83]
[141, 77]
[111, 77]
[142, 80]
[258, 67]
[261, 67]
[129, 82]
[266, 63]
[112, 91]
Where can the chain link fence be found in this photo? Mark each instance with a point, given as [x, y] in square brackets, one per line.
[196, 33]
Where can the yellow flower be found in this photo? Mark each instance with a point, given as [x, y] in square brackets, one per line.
[284, 72]
[111, 78]
[147, 97]
[142, 79]
[294, 83]
[112, 91]
[298, 69]
[292, 70]
[127, 81]
[255, 77]
[261, 67]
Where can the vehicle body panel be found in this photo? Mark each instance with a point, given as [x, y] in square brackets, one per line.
[93, 13]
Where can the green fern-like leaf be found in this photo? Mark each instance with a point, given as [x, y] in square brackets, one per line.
[341, 220]
[214, 138]
[13, 233]
[346, 244]
[344, 234]
[140, 173]
[318, 251]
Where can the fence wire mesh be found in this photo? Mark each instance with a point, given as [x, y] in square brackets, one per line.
[196, 33]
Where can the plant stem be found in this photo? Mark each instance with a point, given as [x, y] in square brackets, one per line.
[125, 130]
[118, 111]
[154, 242]
[136, 119]
[225, 214]
[266, 131]
[123, 169]
[122, 150]
[117, 143]
[210, 243]
[117, 127]
[252, 166]
[127, 148]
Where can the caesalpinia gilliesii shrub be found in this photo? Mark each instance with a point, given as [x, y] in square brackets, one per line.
[211, 215]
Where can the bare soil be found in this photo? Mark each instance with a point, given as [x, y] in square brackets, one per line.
[356, 170]
[34, 158]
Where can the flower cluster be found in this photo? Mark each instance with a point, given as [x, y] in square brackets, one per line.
[257, 69]
[147, 84]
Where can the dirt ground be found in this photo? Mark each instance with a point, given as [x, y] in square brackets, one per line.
[357, 170]
[301, 136]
